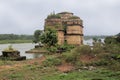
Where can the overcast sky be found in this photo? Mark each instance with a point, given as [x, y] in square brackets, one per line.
[100, 17]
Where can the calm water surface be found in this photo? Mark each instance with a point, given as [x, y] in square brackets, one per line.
[22, 48]
[27, 46]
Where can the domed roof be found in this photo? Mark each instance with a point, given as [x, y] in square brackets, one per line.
[74, 17]
[65, 13]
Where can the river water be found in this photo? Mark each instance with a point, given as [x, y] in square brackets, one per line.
[22, 48]
[27, 46]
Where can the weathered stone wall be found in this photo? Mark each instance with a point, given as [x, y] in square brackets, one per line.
[76, 29]
[60, 37]
[74, 22]
[11, 54]
[74, 39]
[52, 22]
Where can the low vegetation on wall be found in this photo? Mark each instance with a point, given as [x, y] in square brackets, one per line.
[52, 16]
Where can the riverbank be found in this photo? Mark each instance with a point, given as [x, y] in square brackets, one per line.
[37, 50]
[80, 63]
[15, 41]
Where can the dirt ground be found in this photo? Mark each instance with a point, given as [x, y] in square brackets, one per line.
[63, 68]
[66, 67]
[19, 64]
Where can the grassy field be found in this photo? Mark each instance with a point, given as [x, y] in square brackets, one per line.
[15, 41]
[37, 71]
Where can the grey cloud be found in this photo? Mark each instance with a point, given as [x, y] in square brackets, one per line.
[29, 15]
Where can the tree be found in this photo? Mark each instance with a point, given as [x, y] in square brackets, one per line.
[95, 39]
[113, 39]
[109, 40]
[49, 38]
[37, 35]
[118, 37]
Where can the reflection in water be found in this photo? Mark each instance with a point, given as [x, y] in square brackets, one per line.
[37, 55]
[88, 42]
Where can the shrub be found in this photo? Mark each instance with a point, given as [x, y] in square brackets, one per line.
[49, 38]
[84, 49]
[113, 48]
[98, 48]
[78, 64]
[15, 76]
[52, 49]
[101, 62]
[51, 61]
[74, 54]
[76, 50]
[65, 47]
[69, 57]
[114, 65]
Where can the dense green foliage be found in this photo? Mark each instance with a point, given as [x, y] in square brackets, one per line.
[74, 55]
[14, 38]
[51, 61]
[110, 40]
[65, 47]
[118, 37]
[49, 38]
[37, 35]
[113, 39]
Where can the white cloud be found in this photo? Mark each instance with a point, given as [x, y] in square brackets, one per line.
[25, 16]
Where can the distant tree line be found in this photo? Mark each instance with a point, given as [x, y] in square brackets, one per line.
[86, 37]
[15, 37]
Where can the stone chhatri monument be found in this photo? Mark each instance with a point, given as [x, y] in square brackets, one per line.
[12, 54]
[69, 27]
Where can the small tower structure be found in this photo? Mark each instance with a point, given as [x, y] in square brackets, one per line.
[69, 27]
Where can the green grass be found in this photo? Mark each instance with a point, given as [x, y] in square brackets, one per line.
[6, 62]
[85, 75]
[15, 41]
[37, 72]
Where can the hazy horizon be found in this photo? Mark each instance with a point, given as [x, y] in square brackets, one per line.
[25, 16]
